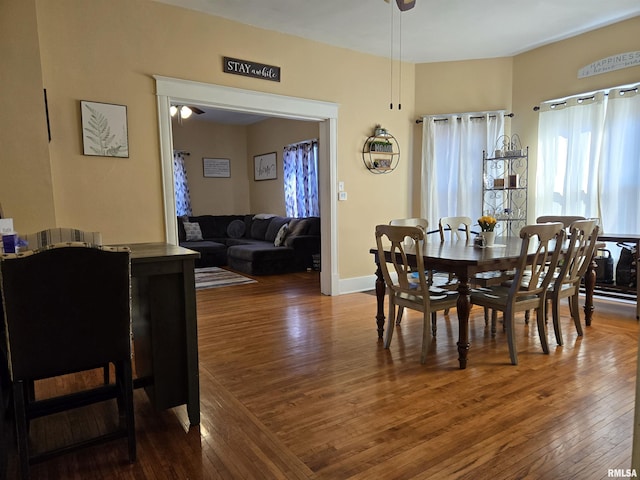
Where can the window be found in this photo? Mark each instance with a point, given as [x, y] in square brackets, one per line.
[589, 158]
[452, 148]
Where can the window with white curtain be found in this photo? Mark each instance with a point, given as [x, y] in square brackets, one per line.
[452, 147]
[589, 158]
[301, 179]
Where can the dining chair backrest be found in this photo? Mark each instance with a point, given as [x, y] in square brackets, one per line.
[422, 223]
[456, 225]
[67, 308]
[566, 220]
[52, 236]
[583, 235]
[407, 281]
[539, 256]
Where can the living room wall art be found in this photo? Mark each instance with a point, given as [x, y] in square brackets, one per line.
[265, 166]
[216, 167]
[104, 129]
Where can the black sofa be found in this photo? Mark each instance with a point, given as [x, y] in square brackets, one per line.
[260, 244]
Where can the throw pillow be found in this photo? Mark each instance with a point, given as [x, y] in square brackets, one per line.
[236, 229]
[282, 234]
[192, 230]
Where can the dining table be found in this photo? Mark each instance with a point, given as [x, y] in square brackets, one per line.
[465, 260]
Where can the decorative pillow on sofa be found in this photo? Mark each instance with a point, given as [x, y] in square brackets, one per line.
[193, 231]
[282, 234]
[236, 229]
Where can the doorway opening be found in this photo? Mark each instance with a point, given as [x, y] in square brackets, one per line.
[172, 90]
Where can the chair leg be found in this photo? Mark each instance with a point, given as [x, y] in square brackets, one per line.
[391, 323]
[426, 341]
[20, 413]
[494, 320]
[127, 399]
[557, 327]
[574, 305]
[542, 328]
[434, 325]
[511, 336]
[399, 317]
[105, 374]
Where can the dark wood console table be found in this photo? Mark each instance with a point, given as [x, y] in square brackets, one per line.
[165, 332]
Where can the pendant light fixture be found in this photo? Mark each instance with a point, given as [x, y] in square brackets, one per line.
[403, 5]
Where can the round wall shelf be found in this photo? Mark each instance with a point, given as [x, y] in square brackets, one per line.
[381, 153]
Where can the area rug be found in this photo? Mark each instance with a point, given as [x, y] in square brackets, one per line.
[214, 277]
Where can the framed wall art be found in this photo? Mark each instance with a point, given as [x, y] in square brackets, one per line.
[265, 166]
[216, 167]
[104, 129]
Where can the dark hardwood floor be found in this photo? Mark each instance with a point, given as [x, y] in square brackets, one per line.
[295, 385]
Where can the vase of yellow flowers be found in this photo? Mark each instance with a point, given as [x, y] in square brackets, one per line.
[487, 224]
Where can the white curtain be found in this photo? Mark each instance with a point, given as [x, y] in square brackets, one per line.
[452, 147]
[181, 185]
[569, 138]
[589, 158]
[301, 179]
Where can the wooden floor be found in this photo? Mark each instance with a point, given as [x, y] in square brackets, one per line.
[295, 385]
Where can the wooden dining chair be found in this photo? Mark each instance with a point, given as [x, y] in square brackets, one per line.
[456, 226]
[408, 287]
[422, 223]
[526, 292]
[583, 238]
[67, 309]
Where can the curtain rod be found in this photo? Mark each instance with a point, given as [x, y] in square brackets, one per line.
[473, 118]
[184, 152]
[588, 97]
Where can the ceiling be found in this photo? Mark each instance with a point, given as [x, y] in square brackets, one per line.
[433, 31]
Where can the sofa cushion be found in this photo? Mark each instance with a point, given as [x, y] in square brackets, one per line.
[260, 252]
[236, 229]
[192, 231]
[298, 226]
[274, 228]
[282, 234]
[259, 228]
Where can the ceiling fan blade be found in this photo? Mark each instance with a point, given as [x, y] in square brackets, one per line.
[196, 110]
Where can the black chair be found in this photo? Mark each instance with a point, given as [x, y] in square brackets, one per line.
[67, 309]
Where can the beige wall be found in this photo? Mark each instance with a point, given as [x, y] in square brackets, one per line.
[215, 196]
[267, 196]
[26, 184]
[108, 50]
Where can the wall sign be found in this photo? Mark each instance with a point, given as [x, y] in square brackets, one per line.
[247, 68]
[609, 64]
[216, 167]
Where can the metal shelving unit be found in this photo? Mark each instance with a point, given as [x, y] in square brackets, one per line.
[505, 189]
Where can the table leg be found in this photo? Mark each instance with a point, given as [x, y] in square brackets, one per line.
[464, 307]
[380, 291]
[589, 286]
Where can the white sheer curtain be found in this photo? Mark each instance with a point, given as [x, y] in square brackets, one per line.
[452, 148]
[589, 158]
[301, 179]
[569, 139]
